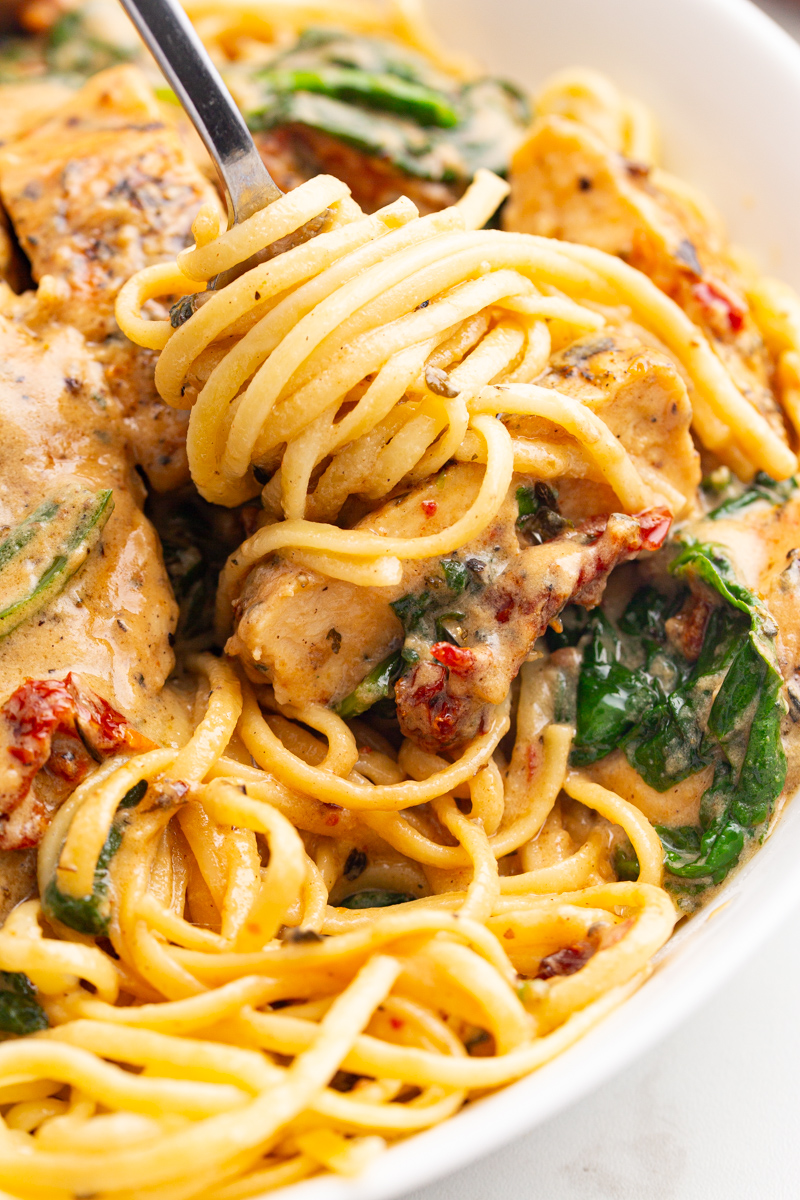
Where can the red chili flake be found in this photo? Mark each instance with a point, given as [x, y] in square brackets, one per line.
[533, 759]
[713, 296]
[459, 659]
[396, 1022]
[654, 524]
[429, 507]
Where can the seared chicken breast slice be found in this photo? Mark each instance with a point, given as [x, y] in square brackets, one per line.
[640, 394]
[98, 191]
[110, 624]
[567, 183]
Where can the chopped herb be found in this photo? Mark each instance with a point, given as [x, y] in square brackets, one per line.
[183, 309]
[299, 937]
[377, 685]
[539, 517]
[456, 574]
[411, 608]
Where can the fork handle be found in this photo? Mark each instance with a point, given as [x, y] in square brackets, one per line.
[169, 36]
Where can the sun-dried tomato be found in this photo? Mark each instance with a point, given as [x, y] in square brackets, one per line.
[712, 296]
[655, 524]
[63, 726]
[459, 659]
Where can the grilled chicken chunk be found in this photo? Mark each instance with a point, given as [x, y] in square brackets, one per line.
[98, 191]
[468, 621]
[566, 182]
[111, 623]
[443, 701]
[641, 396]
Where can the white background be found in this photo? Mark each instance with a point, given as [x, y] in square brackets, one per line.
[711, 1114]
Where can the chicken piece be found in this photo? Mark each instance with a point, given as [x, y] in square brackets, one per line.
[639, 393]
[567, 183]
[59, 426]
[316, 639]
[17, 878]
[97, 192]
[443, 701]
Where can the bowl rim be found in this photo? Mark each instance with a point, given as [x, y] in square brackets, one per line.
[694, 964]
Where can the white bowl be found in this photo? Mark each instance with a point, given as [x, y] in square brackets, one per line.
[724, 82]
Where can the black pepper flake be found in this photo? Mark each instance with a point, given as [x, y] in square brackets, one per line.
[335, 638]
[355, 865]
[296, 937]
[584, 183]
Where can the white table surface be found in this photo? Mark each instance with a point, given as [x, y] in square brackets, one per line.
[710, 1114]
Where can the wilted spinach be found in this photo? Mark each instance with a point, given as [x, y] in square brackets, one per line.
[20, 1012]
[763, 487]
[90, 914]
[672, 717]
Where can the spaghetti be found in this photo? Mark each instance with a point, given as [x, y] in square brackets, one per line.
[280, 940]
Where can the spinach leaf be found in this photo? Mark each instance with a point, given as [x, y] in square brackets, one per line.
[626, 862]
[763, 487]
[622, 675]
[724, 710]
[575, 622]
[19, 1011]
[389, 103]
[376, 90]
[21, 1016]
[375, 898]
[90, 914]
[377, 685]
